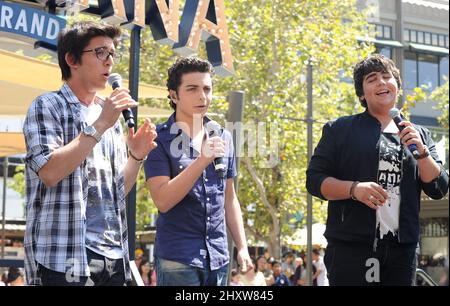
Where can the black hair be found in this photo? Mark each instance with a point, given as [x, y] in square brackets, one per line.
[182, 66]
[377, 63]
[74, 39]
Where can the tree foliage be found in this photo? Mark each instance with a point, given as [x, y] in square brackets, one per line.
[440, 95]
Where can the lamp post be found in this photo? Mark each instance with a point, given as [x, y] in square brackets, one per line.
[309, 121]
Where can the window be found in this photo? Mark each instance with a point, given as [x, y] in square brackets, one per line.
[413, 35]
[428, 38]
[442, 40]
[379, 29]
[410, 70]
[443, 69]
[387, 32]
[420, 37]
[428, 71]
[406, 35]
[383, 31]
[386, 51]
[434, 39]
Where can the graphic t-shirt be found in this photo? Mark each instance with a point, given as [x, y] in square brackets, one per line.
[103, 229]
[389, 177]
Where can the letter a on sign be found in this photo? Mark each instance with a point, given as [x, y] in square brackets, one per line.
[162, 17]
[205, 20]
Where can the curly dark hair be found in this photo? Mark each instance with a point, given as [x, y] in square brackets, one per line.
[182, 66]
[377, 63]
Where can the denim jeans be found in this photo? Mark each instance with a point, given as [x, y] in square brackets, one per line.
[352, 264]
[171, 273]
[104, 272]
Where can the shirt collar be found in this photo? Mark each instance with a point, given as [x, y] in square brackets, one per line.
[70, 96]
[171, 132]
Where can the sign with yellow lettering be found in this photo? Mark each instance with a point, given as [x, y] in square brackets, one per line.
[202, 20]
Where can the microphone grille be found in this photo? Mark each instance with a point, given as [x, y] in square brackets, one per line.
[394, 112]
[114, 77]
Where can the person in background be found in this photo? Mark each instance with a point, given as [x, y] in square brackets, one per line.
[296, 281]
[288, 266]
[235, 278]
[15, 277]
[279, 278]
[145, 272]
[262, 266]
[321, 270]
[253, 277]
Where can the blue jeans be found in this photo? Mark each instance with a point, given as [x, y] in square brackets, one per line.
[172, 273]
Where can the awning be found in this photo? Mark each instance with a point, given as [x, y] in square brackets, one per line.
[23, 78]
[432, 4]
[429, 49]
[41, 77]
[381, 42]
[11, 144]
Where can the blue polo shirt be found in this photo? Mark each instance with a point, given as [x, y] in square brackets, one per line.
[193, 232]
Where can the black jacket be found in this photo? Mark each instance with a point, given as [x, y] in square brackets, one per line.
[349, 150]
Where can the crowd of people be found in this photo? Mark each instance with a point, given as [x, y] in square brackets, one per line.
[290, 272]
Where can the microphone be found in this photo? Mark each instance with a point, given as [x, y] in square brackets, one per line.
[214, 129]
[115, 80]
[395, 115]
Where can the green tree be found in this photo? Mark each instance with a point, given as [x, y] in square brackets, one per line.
[440, 95]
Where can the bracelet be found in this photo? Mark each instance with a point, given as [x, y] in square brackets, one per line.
[352, 189]
[135, 158]
[425, 153]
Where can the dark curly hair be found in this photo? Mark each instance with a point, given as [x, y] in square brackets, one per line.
[377, 63]
[182, 66]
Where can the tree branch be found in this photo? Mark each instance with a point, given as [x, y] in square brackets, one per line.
[260, 187]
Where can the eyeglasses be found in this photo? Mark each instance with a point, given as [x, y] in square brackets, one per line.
[102, 54]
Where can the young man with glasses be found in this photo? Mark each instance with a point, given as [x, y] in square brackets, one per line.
[77, 169]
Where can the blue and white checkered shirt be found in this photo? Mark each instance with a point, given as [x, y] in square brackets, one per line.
[55, 235]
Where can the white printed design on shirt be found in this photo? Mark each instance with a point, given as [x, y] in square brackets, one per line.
[389, 177]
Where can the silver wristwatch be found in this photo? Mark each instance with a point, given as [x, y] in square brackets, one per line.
[89, 130]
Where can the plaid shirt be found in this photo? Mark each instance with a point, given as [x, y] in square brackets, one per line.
[55, 235]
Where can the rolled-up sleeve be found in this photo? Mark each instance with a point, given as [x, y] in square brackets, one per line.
[323, 162]
[43, 133]
[437, 188]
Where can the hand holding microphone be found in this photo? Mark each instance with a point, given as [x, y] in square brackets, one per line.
[217, 146]
[115, 80]
[410, 137]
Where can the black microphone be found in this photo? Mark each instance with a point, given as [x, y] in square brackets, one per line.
[115, 80]
[214, 129]
[395, 115]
